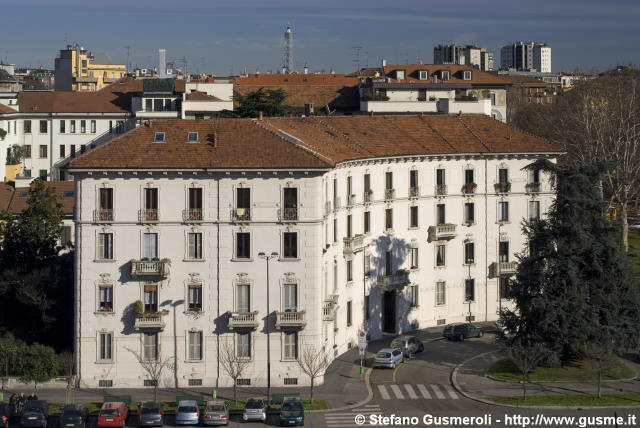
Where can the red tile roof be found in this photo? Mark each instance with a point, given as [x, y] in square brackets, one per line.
[312, 142]
[478, 77]
[15, 200]
[6, 109]
[201, 96]
[517, 80]
[6, 192]
[296, 79]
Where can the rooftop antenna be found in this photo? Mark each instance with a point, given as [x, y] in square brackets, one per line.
[288, 49]
[356, 58]
[128, 64]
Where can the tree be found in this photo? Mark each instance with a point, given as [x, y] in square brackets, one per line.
[269, 102]
[232, 364]
[10, 348]
[39, 364]
[3, 134]
[154, 368]
[526, 355]
[16, 154]
[313, 362]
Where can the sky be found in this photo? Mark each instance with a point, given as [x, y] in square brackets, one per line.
[229, 37]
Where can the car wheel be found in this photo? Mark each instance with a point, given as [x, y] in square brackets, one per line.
[461, 337]
[421, 349]
[481, 333]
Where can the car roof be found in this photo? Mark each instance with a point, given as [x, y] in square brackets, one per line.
[255, 399]
[113, 405]
[150, 404]
[215, 402]
[35, 403]
[188, 403]
[387, 350]
[290, 399]
[73, 407]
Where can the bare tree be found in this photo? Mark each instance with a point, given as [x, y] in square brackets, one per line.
[154, 368]
[232, 364]
[526, 356]
[313, 362]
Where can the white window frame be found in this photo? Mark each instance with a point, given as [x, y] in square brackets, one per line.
[159, 137]
[414, 257]
[531, 202]
[466, 75]
[189, 140]
[444, 256]
[99, 288]
[250, 345]
[414, 295]
[142, 241]
[423, 75]
[189, 286]
[190, 345]
[99, 358]
[500, 214]
[143, 352]
[99, 254]
[235, 295]
[417, 225]
[236, 257]
[296, 344]
[188, 254]
[297, 257]
[440, 294]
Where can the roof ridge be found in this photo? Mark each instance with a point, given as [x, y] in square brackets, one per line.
[472, 133]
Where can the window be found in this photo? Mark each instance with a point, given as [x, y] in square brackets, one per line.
[469, 212]
[349, 307]
[388, 218]
[119, 126]
[468, 176]
[424, 74]
[84, 64]
[158, 104]
[440, 178]
[349, 191]
[349, 270]
[469, 290]
[469, 253]
[83, 126]
[388, 181]
[105, 246]
[243, 245]
[335, 194]
[503, 211]
[534, 210]
[27, 127]
[414, 296]
[335, 230]
[82, 148]
[444, 74]
[367, 188]
[158, 137]
[367, 222]
[150, 246]
[105, 342]
[62, 150]
[441, 214]
[440, 254]
[195, 297]
[73, 150]
[441, 292]
[150, 346]
[195, 204]
[243, 303]
[105, 298]
[413, 220]
[349, 226]
[65, 238]
[366, 306]
[42, 174]
[466, 75]
[195, 246]
[62, 126]
[72, 126]
[290, 205]
[195, 345]
[414, 258]
[290, 245]
[505, 288]
[195, 382]
[533, 176]
[93, 126]
[27, 154]
[150, 203]
[504, 252]
[26, 173]
[367, 264]
[387, 263]
[503, 175]
[150, 298]
[192, 137]
[243, 345]
[492, 95]
[290, 345]
[243, 199]
[290, 297]
[167, 104]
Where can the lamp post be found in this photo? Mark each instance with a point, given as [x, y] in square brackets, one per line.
[499, 273]
[273, 255]
[468, 261]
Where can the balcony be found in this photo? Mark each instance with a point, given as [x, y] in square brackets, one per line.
[397, 280]
[503, 268]
[368, 196]
[503, 187]
[414, 192]
[85, 79]
[352, 245]
[241, 214]
[102, 215]
[389, 194]
[149, 322]
[150, 268]
[147, 216]
[469, 188]
[290, 320]
[441, 189]
[351, 200]
[442, 231]
[328, 310]
[533, 187]
[288, 214]
[192, 215]
[243, 320]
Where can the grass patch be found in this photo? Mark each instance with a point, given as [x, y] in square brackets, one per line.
[578, 371]
[632, 399]
[634, 248]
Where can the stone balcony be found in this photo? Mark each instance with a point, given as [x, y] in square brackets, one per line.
[389, 194]
[148, 216]
[352, 245]
[243, 320]
[102, 216]
[290, 320]
[150, 268]
[288, 214]
[389, 282]
[441, 190]
[149, 323]
[442, 231]
[192, 215]
[532, 187]
[503, 268]
[414, 192]
[241, 214]
[329, 310]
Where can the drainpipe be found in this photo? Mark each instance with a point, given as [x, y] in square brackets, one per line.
[77, 283]
[486, 243]
[218, 280]
[50, 146]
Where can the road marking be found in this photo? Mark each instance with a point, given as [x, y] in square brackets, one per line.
[396, 390]
[423, 390]
[383, 392]
[396, 370]
[410, 391]
[451, 392]
[436, 391]
[347, 419]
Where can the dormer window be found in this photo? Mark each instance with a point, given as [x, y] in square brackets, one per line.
[192, 137]
[466, 75]
[159, 137]
[424, 74]
[400, 74]
[444, 74]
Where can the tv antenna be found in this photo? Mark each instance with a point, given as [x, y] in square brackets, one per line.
[356, 58]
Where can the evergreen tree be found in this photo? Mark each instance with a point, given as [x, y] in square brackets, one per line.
[268, 101]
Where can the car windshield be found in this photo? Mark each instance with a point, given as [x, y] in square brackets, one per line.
[148, 410]
[396, 343]
[255, 405]
[71, 414]
[187, 409]
[215, 408]
[292, 405]
[109, 412]
[383, 354]
[32, 412]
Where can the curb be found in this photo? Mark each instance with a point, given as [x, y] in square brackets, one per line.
[367, 382]
[454, 381]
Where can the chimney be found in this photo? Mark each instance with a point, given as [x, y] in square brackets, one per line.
[306, 69]
[459, 113]
[215, 139]
[384, 63]
[308, 109]
[371, 113]
[149, 123]
[259, 115]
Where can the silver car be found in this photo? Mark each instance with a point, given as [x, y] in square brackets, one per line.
[407, 344]
[216, 413]
[388, 357]
[187, 413]
[254, 410]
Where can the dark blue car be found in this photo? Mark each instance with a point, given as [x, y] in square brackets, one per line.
[34, 414]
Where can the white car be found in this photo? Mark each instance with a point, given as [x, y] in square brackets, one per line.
[388, 357]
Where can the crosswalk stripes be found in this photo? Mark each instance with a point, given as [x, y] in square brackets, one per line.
[410, 391]
[383, 392]
[347, 419]
[451, 392]
[424, 391]
[437, 390]
[397, 391]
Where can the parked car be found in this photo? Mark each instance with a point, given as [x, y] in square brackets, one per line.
[461, 331]
[388, 357]
[633, 223]
[292, 412]
[74, 415]
[35, 414]
[113, 414]
[150, 414]
[5, 415]
[187, 413]
[216, 413]
[254, 410]
[407, 344]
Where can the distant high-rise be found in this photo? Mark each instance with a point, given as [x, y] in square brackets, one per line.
[162, 63]
[463, 55]
[526, 56]
[288, 51]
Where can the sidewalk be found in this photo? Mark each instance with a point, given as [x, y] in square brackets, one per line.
[471, 379]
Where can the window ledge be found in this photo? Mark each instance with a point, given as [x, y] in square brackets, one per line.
[415, 306]
[235, 259]
[104, 260]
[469, 264]
[288, 360]
[289, 259]
[413, 227]
[105, 362]
[193, 361]
[503, 222]
[440, 267]
[104, 313]
[188, 312]
[194, 260]
[350, 283]
[414, 269]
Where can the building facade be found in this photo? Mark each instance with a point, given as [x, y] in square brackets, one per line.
[77, 69]
[526, 56]
[385, 223]
[463, 55]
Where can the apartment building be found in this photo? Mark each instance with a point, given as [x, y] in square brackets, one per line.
[387, 223]
[77, 69]
[526, 56]
[463, 55]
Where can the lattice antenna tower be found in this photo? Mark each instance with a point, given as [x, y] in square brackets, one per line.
[288, 50]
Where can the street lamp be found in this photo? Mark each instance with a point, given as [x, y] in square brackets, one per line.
[499, 273]
[273, 255]
[468, 261]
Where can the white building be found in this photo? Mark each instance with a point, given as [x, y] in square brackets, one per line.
[463, 55]
[391, 222]
[526, 56]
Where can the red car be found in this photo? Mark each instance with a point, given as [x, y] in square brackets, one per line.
[113, 415]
